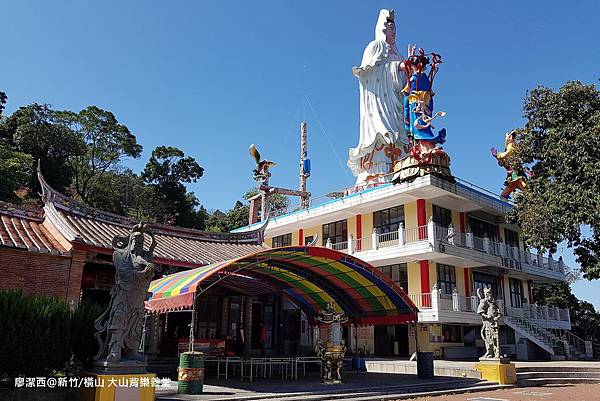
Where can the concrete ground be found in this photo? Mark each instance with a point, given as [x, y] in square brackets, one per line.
[356, 385]
[576, 392]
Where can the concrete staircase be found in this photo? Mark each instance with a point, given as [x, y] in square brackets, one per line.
[557, 375]
[543, 338]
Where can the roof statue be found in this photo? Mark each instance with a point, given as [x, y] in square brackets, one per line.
[516, 175]
[383, 138]
[261, 171]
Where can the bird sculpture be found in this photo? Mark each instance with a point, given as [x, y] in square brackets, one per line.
[261, 171]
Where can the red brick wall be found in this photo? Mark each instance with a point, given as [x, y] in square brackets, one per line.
[42, 274]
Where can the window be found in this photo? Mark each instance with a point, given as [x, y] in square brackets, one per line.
[336, 231]
[516, 293]
[398, 273]
[446, 278]
[481, 281]
[282, 240]
[511, 237]
[442, 216]
[481, 228]
[452, 334]
[388, 220]
[309, 239]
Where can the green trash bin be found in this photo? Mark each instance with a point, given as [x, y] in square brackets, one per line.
[191, 373]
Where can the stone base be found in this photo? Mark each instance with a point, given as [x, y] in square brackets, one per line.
[409, 168]
[127, 387]
[497, 370]
[120, 368]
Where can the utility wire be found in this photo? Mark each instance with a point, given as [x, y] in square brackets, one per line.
[344, 169]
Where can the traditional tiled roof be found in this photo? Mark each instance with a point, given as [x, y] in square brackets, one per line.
[82, 224]
[22, 228]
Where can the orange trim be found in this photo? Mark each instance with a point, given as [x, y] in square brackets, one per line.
[301, 237]
[425, 285]
[467, 274]
[421, 218]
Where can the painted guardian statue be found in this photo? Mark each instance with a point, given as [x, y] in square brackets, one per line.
[516, 175]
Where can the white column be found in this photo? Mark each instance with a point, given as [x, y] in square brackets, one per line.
[556, 313]
[455, 300]
[486, 244]
[350, 244]
[435, 293]
[568, 314]
[474, 303]
[545, 312]
[431, 232]
[469, 239]
[375, 239]
[401, 240]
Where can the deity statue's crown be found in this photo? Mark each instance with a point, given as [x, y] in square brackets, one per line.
[390, 17]
[487, 290]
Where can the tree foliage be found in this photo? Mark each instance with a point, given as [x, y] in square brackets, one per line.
[166, 171]
[3, 99]
[585, 320]
[107, 143]
[560, 143]
[34, 130]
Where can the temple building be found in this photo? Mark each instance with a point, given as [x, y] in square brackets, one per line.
[440, 242]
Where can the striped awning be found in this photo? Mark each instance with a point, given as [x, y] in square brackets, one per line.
[310, 276]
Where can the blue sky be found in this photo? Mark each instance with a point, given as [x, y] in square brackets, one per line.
[213, 77]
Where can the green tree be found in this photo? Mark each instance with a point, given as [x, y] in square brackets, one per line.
[560, 143]
[15, 172]
[3, 99]
[34, 130]
[107, 143]
[167, 171]
[585, 320]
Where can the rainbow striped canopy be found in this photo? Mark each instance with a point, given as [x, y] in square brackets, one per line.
[310, 276]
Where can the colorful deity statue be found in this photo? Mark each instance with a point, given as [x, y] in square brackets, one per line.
[418, 103]
[516, 175]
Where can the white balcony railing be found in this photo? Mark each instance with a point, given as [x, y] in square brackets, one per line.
[438, 301]
[510, 257]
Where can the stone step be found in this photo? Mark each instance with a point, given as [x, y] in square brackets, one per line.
[586, 367]
[565, 374]
[558, 381]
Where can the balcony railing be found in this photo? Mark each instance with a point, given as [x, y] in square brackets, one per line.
[510, 257]
[436, 300]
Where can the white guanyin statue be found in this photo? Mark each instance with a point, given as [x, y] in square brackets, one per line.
[381, 77]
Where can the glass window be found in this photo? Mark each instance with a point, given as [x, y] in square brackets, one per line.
[446, 278]
[309, 239]
[516, 293]
[388, 220]
[442, 216]
[282, 240]
[481, 281]
[452, 334]
[398, 273]
[481, 228]
[511, 237]
[336, 231]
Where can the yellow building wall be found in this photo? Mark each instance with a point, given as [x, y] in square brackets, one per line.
[351, 224]
[295, 237]
[315, 231]
[460, 281]
[414, 278]
[428, 210]
[269, 241]
[456, 220]
[432, 275]
[410, 215]
[367, 224]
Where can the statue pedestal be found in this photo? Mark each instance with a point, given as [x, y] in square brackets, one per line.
[497, 370]
[124, 387]
[409, 168]
[120, 381]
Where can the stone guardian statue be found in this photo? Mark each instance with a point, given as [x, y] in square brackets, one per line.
[120, 327]
[490, 315]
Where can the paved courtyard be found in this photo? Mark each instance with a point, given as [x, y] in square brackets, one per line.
[576, 392]
[361, 385]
